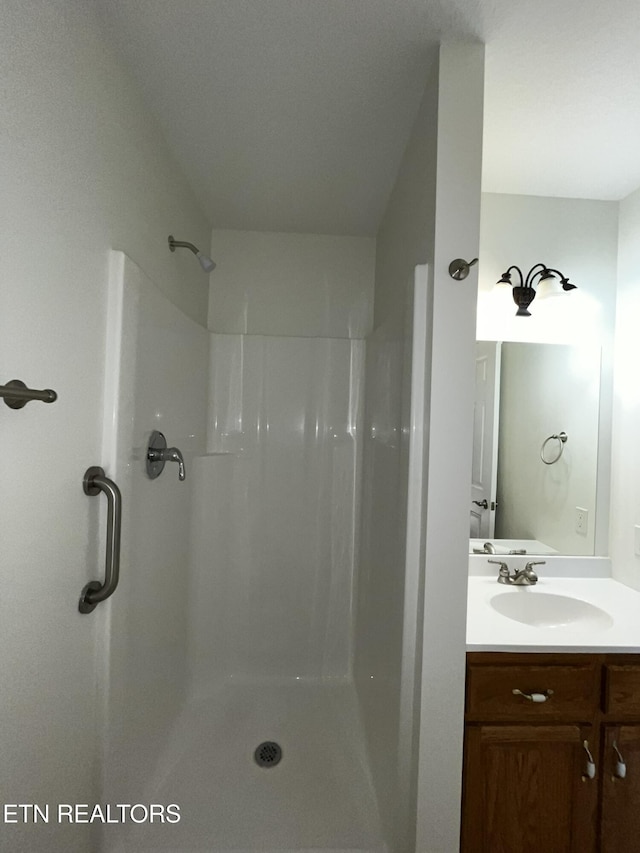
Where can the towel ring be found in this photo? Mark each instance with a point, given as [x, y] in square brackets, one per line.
[561, 438]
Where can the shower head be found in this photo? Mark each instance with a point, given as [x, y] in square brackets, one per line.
[205, 262]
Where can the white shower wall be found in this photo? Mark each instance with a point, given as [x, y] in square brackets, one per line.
[156, 368]
[242, 577]
[277, 509]
[392, 549]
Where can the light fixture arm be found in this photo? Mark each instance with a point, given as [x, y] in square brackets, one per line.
[507, 275]
[536, 270]
[564, 281]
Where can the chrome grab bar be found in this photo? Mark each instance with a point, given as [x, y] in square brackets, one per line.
[94, 592]
[16, 394]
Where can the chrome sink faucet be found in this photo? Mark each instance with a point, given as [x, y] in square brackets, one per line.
[520, 577]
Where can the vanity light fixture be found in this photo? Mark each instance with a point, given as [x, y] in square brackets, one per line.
[549, 282]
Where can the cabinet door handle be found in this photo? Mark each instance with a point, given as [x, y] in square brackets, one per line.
[590, 768]
[533, 697]
[621, 766]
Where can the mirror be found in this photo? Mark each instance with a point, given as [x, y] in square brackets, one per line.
[533, 488]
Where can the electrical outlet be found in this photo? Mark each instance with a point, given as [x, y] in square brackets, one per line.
[582, 520]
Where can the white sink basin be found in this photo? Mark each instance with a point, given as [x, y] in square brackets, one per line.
[546, 610]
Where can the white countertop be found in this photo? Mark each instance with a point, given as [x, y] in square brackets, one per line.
[488, 630]
[504, 546]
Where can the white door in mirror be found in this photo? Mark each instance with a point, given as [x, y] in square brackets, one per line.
[484, 470]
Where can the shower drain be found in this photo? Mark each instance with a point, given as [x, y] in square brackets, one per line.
[268, 754]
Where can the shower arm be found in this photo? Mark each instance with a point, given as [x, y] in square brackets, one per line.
[182, 244]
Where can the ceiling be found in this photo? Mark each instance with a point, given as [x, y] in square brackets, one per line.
[292, 115]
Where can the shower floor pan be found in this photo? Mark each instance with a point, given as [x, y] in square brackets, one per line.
[319, 796]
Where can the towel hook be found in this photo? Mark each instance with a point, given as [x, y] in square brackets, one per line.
[459, 268]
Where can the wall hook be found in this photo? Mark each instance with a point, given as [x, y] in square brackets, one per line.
[459, 269]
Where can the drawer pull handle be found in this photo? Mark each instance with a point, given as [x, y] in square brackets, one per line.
[534, 697]
[590, 769]
[621, 766]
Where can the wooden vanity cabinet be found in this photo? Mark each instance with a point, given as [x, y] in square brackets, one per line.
[528, 784]
[620, 817]
[529, 790]
[619, 829]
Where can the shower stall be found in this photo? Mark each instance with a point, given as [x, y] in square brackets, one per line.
[259, 671]
[279, 662]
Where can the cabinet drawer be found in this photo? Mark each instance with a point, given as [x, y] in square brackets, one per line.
[573, 692]
[622, 691]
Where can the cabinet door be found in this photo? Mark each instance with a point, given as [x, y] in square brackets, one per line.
[620, 826]
[526, 790]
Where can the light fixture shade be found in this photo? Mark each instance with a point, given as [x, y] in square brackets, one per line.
[548, 288]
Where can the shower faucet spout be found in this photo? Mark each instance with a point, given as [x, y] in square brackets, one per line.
[172, 454]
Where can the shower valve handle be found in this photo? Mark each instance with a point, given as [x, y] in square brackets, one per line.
[169, 454]
[158, 453]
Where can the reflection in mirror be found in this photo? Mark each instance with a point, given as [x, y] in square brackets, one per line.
[524, 496]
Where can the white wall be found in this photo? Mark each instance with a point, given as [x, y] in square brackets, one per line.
[580, 238]
[546, 389]
[405, 239]
[625, 481]
[306, 285]
[577, 236]
[83, 169]
[459, 147]
[432, 216]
